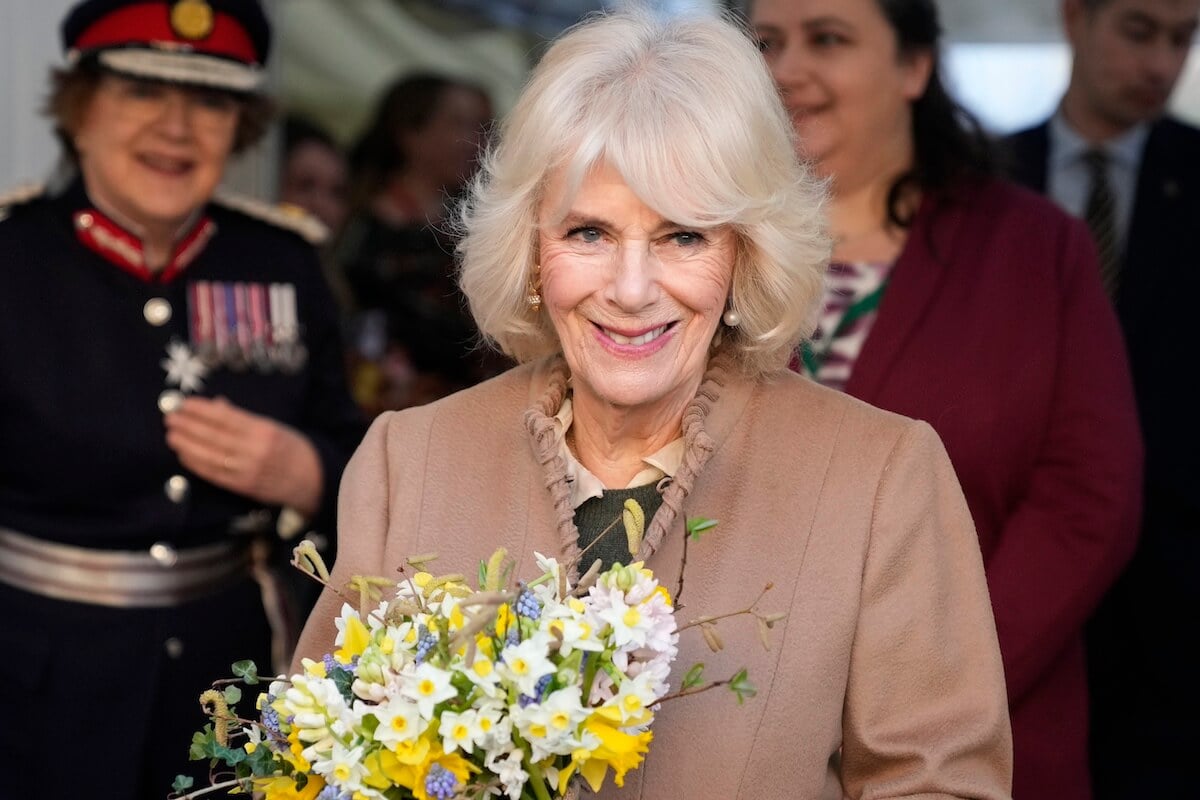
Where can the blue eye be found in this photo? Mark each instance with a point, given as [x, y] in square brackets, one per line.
[585, 234]
[687, 238]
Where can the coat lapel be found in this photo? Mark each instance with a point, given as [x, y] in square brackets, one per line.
[915, 282]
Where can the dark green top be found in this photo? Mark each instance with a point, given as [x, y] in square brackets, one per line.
[597, 513]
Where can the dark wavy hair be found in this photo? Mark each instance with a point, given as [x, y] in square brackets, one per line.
[406, 105]
[950, 145]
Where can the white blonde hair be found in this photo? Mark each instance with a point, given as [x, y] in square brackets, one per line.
[686, 111]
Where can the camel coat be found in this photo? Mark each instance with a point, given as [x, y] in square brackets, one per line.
[885, 678]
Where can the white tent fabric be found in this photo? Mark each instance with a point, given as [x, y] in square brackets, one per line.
[335, 58]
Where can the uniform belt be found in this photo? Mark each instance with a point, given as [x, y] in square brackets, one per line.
[153, 578]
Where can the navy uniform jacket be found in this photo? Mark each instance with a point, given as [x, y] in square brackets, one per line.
[1141, 639]
[85, 460]
[86, 363]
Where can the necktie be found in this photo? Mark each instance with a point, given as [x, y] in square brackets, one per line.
[1100, 215]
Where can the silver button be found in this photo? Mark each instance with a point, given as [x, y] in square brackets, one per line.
[164, 554]
[169, 401]
[157, 311]
[174, 647]
[85, 220]
[176, 488]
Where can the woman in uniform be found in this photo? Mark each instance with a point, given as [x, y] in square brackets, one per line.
[172, 399]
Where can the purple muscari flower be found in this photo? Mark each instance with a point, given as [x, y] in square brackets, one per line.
[527, 605]
[539, 691]
[440, 783]
[270, 721]
[426, 643]
[332, 793]
[513, 637]
[330, 664]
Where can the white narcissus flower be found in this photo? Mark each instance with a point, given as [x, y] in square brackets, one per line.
[343, 768]
[495, 726]
[399, 721]
[548, 590]
[630, 627]
[427, 686]
[634, 699]
[550, 726]
[507, 767]
[483, 674]
[460, 731]
[526, 663]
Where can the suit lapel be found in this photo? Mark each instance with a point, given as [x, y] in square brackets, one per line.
[1029, 152]
[915, 282]
[1161, 185]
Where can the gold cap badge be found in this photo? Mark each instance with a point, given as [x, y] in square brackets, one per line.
[192, 19]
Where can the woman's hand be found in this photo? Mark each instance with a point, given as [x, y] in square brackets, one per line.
[246, 453]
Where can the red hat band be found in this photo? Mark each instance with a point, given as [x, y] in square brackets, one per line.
[150, 23]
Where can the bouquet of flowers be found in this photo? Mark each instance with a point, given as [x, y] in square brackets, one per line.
[442, 691]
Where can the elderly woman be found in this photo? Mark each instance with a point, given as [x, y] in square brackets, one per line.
[643, 238]
[962, 300]
[170, 379]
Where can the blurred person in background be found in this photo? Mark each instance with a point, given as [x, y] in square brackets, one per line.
[314, 179]
[415, 339]
[1112, 156]
[975, 305]
[313, 174]
[172, 401]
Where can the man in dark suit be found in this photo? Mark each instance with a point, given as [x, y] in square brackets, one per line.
[1111, 156]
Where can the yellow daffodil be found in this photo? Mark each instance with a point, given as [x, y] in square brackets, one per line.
[619, 750]
[356, 641]
[284, 788]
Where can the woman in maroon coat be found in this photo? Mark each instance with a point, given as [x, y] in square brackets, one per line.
[976, 306]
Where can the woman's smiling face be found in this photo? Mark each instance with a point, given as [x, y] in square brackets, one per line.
[635, 299]
[153, 153]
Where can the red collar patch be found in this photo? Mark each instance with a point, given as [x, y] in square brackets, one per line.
[120, 247]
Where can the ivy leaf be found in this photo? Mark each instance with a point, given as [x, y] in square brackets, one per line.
[741, 686]
[694, 676]
[182, 784]
[204, 744]
[698, 525]
[262, 761]
[247, 671]
[232, 695]
[231, 755]
[343, 680]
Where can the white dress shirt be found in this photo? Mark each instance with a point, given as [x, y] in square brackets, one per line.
[1068, 179]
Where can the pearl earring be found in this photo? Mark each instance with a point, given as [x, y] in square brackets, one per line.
[732, 318]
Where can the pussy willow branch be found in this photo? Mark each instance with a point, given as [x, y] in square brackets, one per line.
[594, 542]
[216, 787]
[695, 690]
[713, 618]
[682, 572]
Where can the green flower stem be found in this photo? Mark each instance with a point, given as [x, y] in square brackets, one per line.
[546, 576]
[537, 779]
